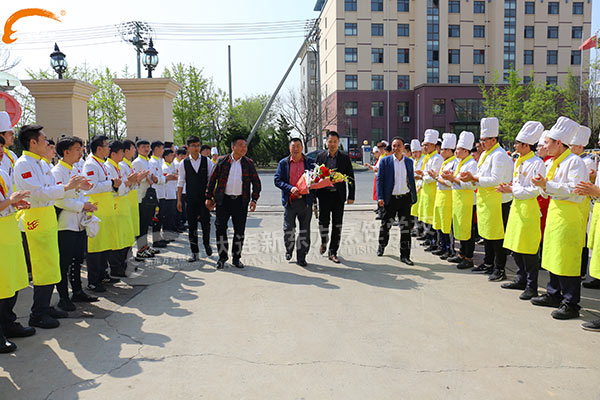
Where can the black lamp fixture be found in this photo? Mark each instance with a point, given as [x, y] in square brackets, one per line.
[150, 59]
[58, 61]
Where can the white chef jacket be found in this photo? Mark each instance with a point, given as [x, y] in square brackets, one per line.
[9, 187]
[127, 170]
[434, 163]
[95, 171]
[7, 164]
[497, 168]
[115, 173]
[141, 164]
[522, 187]
[32, 174]
[72, 205]
[170, 186]
[155, 165]
[450, 166]
[568, 174]
[469, 166]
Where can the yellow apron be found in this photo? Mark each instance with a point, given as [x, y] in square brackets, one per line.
[593, 223]
[13, 273]
[562, 239]
[462, 213]
[106, 238]
[414, 209]
[595, 231]
[41, 230]
[427, 202]
[135, 212]
[523, 230]
[442, 214]
[584, 207]
[125, 237]
[489, 214]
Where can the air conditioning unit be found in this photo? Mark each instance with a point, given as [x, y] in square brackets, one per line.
[406, 119]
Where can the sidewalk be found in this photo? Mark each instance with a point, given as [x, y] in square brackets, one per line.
[369, 328]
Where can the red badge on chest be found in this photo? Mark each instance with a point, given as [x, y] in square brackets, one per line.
[26, 175]
[90, 173]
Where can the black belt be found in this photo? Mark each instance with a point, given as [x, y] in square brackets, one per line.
[233, 197]
[398, 196]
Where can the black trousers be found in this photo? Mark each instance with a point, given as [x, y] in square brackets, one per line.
[430, 234]
[566, 287]
[146, 214]
[495, 254]
[96, 266]
[157, 222]
[117, 260]
[397, 206]
[528, 266]
[467, 247]
[585, 258]
[181, 217]
[237, 210]
[168, 218]
[7, 313]
[300, 210]
[71, 247]
[331, 209]
[196, 211]
[42, 294]
[444, 241]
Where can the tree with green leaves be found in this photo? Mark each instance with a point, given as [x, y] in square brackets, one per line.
[541, 104]
[511, 113]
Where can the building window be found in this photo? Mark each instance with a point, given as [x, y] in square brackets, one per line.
[553, 7]
[403, 6]
[403, 82]
[376, 136]
[403, 30]
[439, 106]
[352, 134]
[529, 32]
[527, 79]
[478, 56]
[377, 109]
[350, 29]
[376, 29]
[403, 108]
[478, 79]
[552, 57]
[528, 57]
[351, 108]
[530, 7]
[577, 32]
[454, 6]
[403, 56]
[377, 82]
[552, 80]
[575, 57]
[578, 8]
[455, 79]
[454, 56]
[377, 56]
[349, 5]
[351, 55]
[479, 7]
[468, 109]
[553, 32]
[351, 82]
[376, 5]
[453, 30]
[478, 31]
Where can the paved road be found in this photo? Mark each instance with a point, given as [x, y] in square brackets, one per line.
[369, 328]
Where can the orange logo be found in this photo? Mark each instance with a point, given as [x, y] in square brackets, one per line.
[31, 225]
[27, 12]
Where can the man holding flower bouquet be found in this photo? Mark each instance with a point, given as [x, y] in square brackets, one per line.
[297, 201]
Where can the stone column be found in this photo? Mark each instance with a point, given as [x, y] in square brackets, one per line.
[149, 107]
[61, 106]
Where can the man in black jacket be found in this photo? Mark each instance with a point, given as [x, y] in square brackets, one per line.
[332, 199]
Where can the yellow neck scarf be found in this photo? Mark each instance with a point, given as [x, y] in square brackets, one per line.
[555, 163]
[128, 163]
[3, 188]
[428, 157]
[143, 157]
[7, 153]
[487, 153]
[520, 161]
[448, 160]
[114, 164]
[461, 163]
[64, 164]
[32, 155]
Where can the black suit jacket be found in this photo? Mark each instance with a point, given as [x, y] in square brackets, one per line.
[344, 166]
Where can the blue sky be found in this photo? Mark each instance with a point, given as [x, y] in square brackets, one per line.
[257, 65]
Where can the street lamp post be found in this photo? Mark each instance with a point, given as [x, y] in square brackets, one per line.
[150, 59]
[58, 61]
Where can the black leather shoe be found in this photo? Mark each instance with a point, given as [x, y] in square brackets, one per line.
[110, 280]
[514, 285]
[438, 252]
[445, 256]
[421, 238]
[380, 251]
[546, 300]
[566, 311]
[83, 297]
[16, 330]
[6, 346]
[208, 250]
[406, 261]
[431, 249]
[193, 258]
[456, 259]
[334, 258]
[66, 305]
[97, 288]
[593, 284]
[482, 268]
[238, 264]
[426, 243]
[593, 326]
[302, 263]
[54, 313]
[220, 264]
[159, 245]
[465, 264]
[288, 256]
[528, 294]
[323, 249]
[497, 276]
[44, 322]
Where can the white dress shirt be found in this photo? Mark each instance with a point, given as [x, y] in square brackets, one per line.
[434, 163]
[170, 186]
[568, 174]
[497, 168]
[177, 164]
[9, 186]
[210, 166]
[141, 164]
[72, 205]
[95, 171]
[400, 178]
[234, 180]
[522, 187]
[7, 164]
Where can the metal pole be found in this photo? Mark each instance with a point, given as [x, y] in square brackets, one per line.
[389, 56]
[137, 49]
[319, 92]
[230, 91]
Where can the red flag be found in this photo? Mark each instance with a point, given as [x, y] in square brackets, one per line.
[588, 44]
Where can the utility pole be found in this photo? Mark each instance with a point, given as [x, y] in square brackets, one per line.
[138, 49]
[230, 91]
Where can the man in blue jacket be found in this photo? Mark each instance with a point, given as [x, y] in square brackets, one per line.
[297, 206]
[396, 193]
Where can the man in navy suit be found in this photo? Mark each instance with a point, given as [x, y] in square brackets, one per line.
[396, 193]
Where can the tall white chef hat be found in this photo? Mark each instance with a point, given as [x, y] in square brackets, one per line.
[542, 140]
[581, 137]
[415, 145]
[563, 130]
[214, 151]
[490, 127]
[448, 141]
[530, 132]
[5, 124]
[466, 140]
[431, 136]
